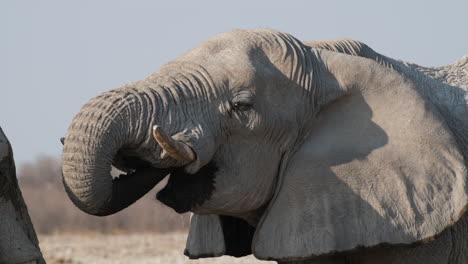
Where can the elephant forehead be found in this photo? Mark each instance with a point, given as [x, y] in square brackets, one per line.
[223, 47]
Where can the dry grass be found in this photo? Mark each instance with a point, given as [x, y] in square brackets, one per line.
[123, 248]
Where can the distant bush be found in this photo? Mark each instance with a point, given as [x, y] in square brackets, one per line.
[52, 211]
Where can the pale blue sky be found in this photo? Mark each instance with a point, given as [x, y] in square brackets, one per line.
[56, 55]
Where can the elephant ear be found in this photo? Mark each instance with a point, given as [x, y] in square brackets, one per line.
[217, 235]
[379, 166]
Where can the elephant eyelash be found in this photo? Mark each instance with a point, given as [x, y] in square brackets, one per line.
[241, 106]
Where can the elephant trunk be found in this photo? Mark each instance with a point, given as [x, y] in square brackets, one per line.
[105, 126]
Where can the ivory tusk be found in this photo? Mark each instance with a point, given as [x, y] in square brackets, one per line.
[175, 149]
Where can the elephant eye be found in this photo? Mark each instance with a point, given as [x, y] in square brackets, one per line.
[241, 106]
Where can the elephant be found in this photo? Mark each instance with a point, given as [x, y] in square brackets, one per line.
[18, 240]
[296, 152]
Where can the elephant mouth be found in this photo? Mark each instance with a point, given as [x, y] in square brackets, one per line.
[184, 191]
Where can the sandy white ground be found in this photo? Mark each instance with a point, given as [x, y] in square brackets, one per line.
[124, 248]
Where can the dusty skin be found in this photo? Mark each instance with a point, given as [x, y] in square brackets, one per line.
[124, 248]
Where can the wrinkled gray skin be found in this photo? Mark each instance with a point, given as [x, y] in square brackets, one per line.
[325, 154]
[18, 241]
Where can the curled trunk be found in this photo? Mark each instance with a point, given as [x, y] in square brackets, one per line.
[103, 127]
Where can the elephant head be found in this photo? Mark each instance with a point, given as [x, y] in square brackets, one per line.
[277, 141]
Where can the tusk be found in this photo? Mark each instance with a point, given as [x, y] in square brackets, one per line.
[175, 149]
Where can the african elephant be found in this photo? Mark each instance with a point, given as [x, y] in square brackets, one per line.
[287, 151]
[18, 241]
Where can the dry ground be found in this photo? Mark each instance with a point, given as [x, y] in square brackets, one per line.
[124, 248]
